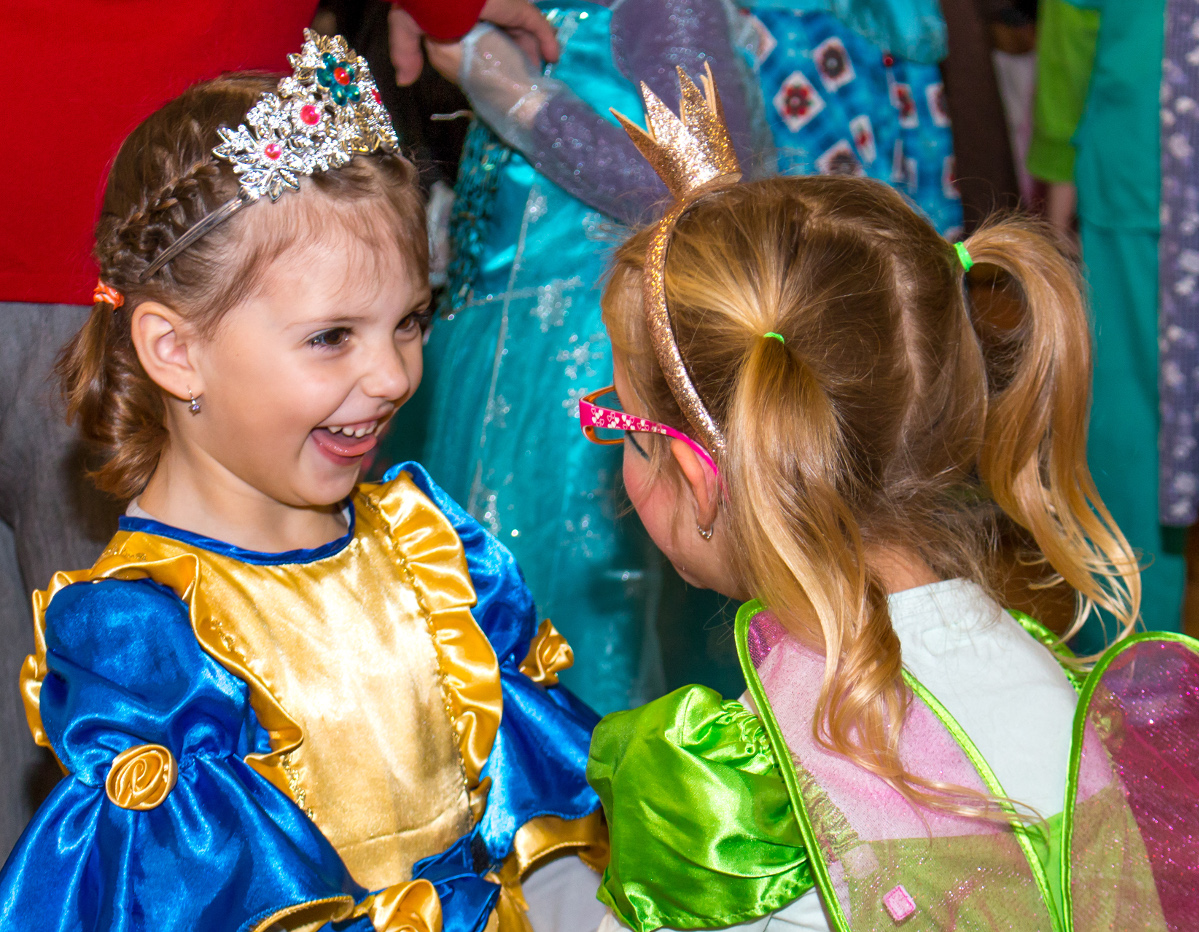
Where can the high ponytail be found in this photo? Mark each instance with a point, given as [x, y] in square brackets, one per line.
[1033, 459]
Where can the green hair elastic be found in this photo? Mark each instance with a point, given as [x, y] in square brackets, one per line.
[964, 256]
[775, 336]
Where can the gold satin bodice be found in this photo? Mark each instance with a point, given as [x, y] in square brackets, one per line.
[379, 692]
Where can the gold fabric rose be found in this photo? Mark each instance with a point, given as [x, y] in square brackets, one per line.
[141, 777]
[548, 655]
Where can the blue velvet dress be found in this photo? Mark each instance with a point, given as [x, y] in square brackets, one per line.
[357, 736]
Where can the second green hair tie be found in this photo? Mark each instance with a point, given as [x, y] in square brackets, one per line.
[964, 256]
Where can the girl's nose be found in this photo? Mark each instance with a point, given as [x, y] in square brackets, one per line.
[387, 377]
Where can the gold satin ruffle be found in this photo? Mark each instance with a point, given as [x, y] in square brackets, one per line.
[470, 672]
[538, 841]
[181, 574]
[404, 907]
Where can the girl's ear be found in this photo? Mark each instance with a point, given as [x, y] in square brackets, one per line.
[700, 480]
[163, 344]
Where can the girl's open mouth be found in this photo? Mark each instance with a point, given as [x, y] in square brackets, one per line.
[344, 449]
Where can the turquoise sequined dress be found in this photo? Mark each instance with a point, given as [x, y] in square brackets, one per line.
[505, 370]
[521, 340]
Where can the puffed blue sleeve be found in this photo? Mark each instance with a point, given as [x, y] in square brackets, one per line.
[224, 850]
[538, 764]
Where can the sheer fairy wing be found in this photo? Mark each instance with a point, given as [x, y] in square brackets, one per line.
[1131, 835]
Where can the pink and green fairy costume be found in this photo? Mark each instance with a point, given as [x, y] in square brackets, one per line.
[719, 817]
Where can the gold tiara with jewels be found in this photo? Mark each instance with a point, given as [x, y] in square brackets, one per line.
[694, 155]
[318, 118]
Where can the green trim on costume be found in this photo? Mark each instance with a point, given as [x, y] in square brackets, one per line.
[1019, 828]
[782, 753]
[1061, 651]
[1076, 739]
[1028, 837]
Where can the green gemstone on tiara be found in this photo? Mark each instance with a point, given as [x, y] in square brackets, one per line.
[338, 77]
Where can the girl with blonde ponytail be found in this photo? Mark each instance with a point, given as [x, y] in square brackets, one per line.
[907, 751]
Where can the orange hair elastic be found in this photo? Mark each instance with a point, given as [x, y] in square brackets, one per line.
[108, 294]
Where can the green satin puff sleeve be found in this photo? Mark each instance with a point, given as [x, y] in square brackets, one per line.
[701, 828]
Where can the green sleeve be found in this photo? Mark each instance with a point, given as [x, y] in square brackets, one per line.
[1066, 37]
[701, 827]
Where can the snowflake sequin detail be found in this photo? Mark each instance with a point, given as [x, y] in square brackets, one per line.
[578, 357]
[553, 302]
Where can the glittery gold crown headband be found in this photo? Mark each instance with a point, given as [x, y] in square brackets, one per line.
[693, 154]
[318, 118]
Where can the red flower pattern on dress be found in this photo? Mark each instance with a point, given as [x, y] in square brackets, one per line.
[797, 101]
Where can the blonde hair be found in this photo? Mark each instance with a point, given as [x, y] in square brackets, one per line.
[878, 423]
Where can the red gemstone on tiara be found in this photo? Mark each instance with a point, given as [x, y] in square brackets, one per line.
[375, 94]
[273, 151]
[341, 76]
[310, 115]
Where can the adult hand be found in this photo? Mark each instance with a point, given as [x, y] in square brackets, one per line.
[404, 35]
[506, 88]
[446, 59]
[523, 22]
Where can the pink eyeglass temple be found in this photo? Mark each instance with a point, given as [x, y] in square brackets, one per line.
[592, 416]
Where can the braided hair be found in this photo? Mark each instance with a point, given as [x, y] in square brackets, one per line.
[164, 180]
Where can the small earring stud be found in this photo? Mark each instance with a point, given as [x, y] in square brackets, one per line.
[705, 532]
[194, 407]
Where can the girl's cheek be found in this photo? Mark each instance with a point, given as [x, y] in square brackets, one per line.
[635, 480]
[652, 504]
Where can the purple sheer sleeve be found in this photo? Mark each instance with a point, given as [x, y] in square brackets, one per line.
[590, 156]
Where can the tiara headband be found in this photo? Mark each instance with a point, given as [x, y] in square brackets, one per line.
[318, 118]
[693, 154]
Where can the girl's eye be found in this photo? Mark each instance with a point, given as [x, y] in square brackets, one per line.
[335, 337]
[417, 320]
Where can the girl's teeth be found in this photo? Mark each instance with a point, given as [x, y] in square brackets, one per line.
[358, 433]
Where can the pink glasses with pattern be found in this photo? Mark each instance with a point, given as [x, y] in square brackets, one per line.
[592, 416]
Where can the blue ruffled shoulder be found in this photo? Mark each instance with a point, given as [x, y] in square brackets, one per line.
[223, 850]
[538, 764]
